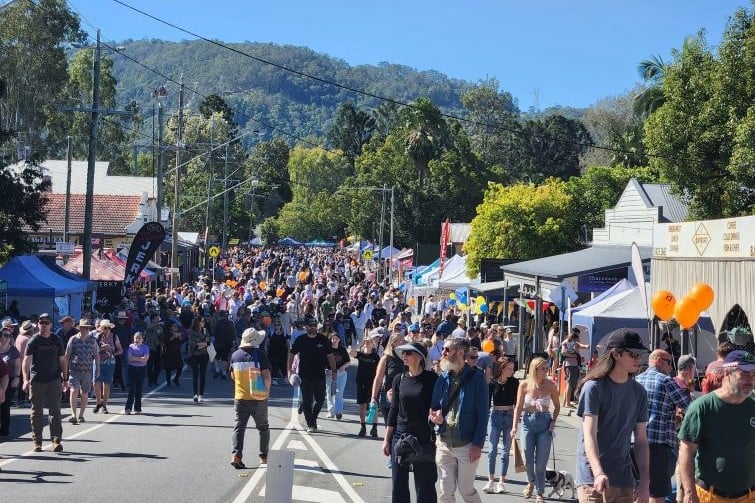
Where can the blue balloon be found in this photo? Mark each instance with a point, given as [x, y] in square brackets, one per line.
[451, 302]
[483, 308]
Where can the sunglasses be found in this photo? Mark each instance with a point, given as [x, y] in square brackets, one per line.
[446, 349]
[473, 357]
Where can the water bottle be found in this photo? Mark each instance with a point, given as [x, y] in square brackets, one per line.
[372, 413]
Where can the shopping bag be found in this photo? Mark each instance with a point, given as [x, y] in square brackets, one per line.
[211, 352]
[519, 466]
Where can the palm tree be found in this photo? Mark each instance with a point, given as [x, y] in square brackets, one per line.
[652, 71]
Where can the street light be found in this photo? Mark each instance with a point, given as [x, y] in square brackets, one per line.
[255, 184]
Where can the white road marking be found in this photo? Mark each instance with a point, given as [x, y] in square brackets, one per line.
[297, 445]
[306, 493]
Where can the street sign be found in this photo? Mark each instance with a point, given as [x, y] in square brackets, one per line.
[64, 248]
[367, 254]
[173, 270]
[213, 251]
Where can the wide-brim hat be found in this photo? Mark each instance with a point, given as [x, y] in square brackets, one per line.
[252, 338]
[27, 328]
[66, 318]
[107, 324]
[84, 323]
[412, 347]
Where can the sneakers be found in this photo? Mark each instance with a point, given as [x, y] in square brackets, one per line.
[104, 409]
[488, 489]
[312, 429]
[237, 463]
[196, 398]
[73, 420]
[57, 447]
[81, 419]
[263, 459]
[329, 415]
[500, 488]
[373, 431]
[363, 430]
[97, 408]
[127, 412]
[299, 410]
[137, 412]
[527, 493]
[339, 416]
[200, 398]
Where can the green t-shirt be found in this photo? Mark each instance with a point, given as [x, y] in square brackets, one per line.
[725, 438]
[450, 433]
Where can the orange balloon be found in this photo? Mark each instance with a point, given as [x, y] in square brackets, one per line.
[702, 293]
[412, 301]
[663, 304]
[302, 276]
[266, 320]
[279, 292]
[263, 285]
[488, 346]
[687, 312]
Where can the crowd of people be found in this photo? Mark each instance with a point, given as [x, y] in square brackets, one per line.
[443, 385]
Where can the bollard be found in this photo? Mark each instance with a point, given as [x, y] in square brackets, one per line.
[279, 479]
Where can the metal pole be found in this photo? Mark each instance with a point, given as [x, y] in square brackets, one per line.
[92, 156]
[67, 221]
[174, 277]
[251, 207]
[225, 201]
[160, 171]
[380, 236]
[390, 257]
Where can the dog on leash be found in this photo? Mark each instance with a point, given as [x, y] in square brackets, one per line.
[560, 482]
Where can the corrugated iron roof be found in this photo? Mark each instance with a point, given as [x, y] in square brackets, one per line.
[111, 215]
[660, 196]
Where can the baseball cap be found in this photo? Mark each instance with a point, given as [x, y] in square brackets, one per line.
[741, 360]
[44, 316]
[414, 327]
[66, 318]
[623, 338]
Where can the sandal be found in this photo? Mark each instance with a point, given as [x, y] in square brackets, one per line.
[527, 493]
[539, 499]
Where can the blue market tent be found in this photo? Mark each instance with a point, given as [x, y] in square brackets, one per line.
[287, 241]
[319, 243]
[38, 287]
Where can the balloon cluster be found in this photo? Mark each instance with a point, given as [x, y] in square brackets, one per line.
[685, 311]
[481, 306]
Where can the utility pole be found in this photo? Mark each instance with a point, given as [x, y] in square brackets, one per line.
[225, 201]
[160, 93]
[67, 221]
[390, 255]
[91, 158]
[174, 277]
[380, 237]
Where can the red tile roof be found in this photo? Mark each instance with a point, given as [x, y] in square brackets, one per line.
[112, 214]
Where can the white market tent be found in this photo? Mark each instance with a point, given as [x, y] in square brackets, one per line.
[455, 276]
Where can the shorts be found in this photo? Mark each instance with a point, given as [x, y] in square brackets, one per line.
[106, 372]
[662, 464]
[572, 376]
[364, 393]
[80, 382]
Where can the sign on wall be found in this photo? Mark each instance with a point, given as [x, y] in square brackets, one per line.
[725, 238]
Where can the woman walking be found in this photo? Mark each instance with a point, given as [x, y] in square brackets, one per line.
[367, 358]
[172, 342]
[199, 339]
[503, 390]
[109, 347]
[335, 396]
[389, 367]
[138, 356]
[12, 358]
[535, 397]
[412, 393]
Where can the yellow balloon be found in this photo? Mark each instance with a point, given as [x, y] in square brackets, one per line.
[480, 300]
[452, 295]
[462, 306]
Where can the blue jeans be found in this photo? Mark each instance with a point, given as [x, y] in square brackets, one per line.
[537, 446]
[335, 399]
[499, 426]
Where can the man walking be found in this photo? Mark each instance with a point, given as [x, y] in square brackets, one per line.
[459, 407]
[250, 372]
[315, 355]
[81, 352]
[664, 396]
[44, 370]
[717, 452]
[613, 407]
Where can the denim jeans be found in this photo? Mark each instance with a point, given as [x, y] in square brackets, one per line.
[199, 372]
[537, 446]
[335, 399]
[499, 426]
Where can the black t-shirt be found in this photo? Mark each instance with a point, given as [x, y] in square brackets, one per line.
[45, 353]
[504, 394]
[312, 353]
[367, 368]
[408, 414]
[393, 367]
[341, 355]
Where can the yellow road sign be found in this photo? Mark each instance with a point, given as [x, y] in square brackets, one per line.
[213, 251]
[367, 254]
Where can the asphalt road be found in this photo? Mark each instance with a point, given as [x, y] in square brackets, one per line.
[180, 451]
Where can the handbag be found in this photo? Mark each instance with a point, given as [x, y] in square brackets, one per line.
[211, 352]
[409, 450]
[519, 465]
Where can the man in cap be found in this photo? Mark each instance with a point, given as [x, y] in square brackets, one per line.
[717, 436]
[248, 365]
[45, 376]
[67, 329]
[613, 407]
[315, 355]
[81, 352]
[664, 396]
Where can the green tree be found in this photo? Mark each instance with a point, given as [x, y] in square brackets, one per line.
[426, 134]
[523, 222]
[34, 64]
[351, 130]
[23, 211]
[701, 136]
[214, 103]
[652, 71]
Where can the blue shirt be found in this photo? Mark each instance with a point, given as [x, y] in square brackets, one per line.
[664, 396]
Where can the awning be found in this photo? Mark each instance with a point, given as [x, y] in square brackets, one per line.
[590, 260]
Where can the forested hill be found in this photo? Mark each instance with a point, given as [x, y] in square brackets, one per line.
[296, 104]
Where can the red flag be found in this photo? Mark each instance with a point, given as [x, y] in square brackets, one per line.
[444, 235]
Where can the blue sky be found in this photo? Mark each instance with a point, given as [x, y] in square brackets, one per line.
[568, 52]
